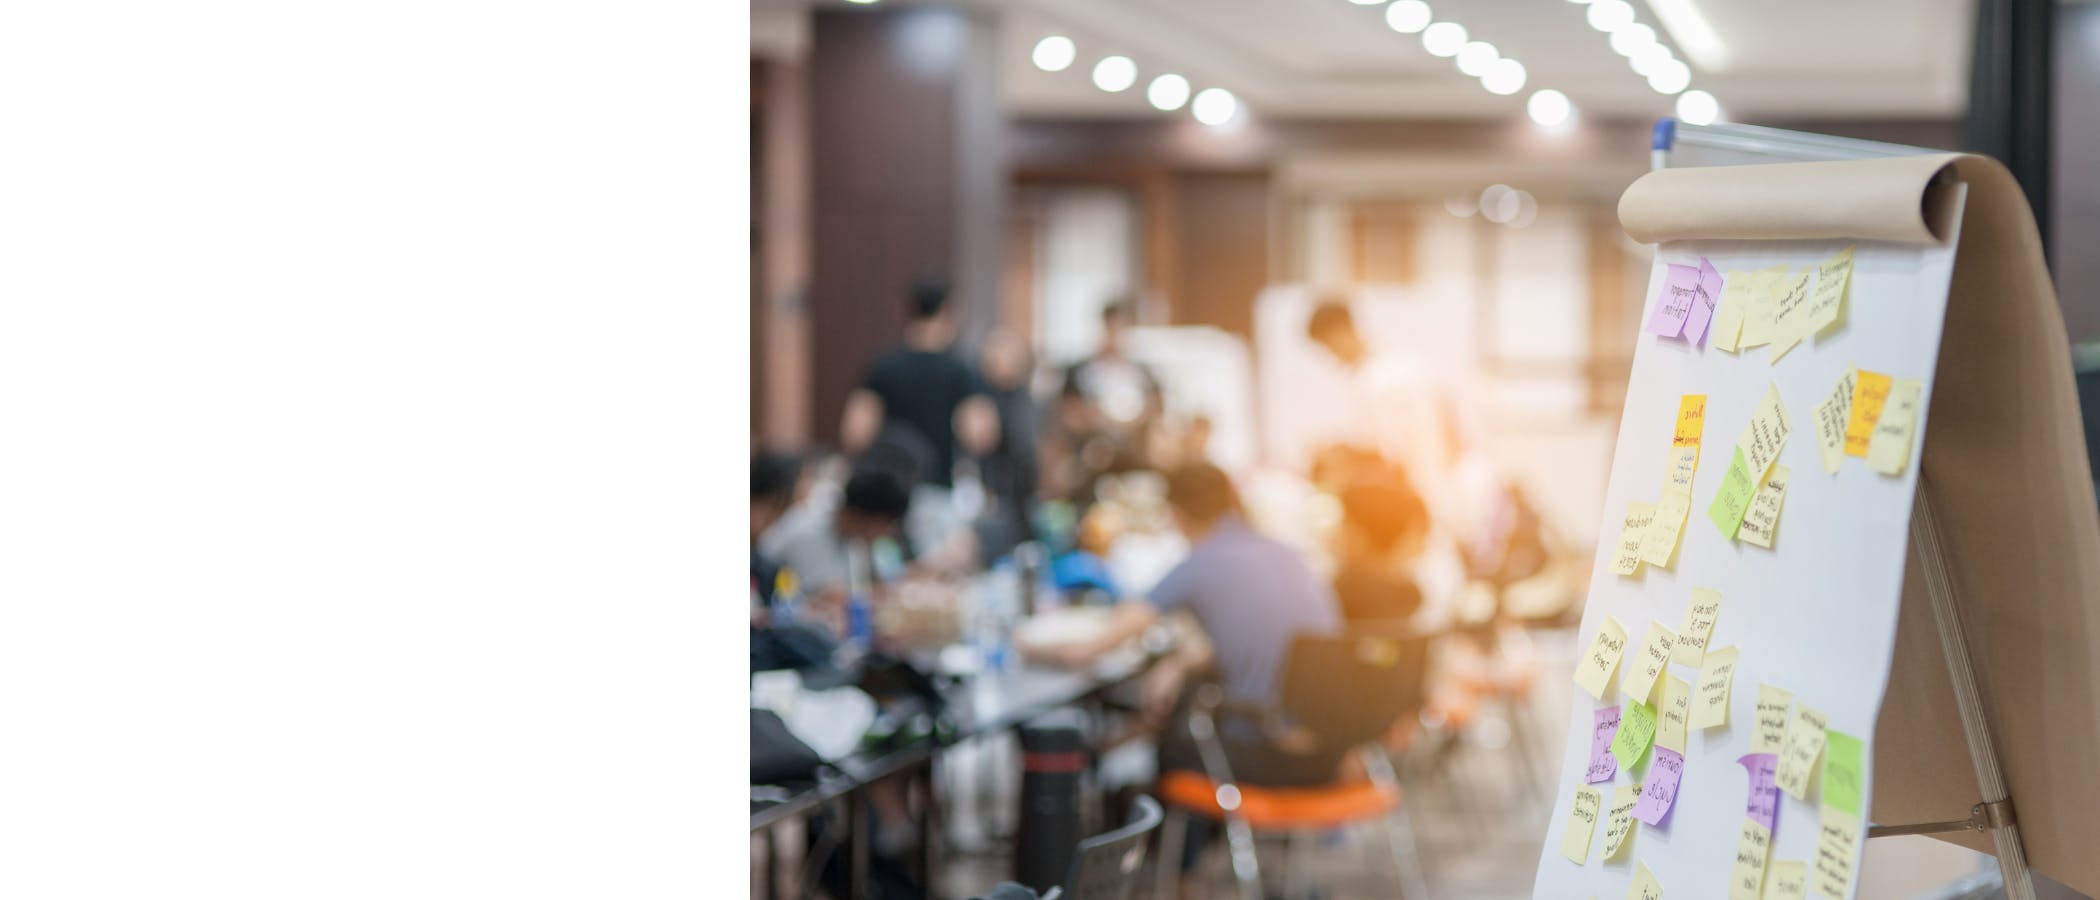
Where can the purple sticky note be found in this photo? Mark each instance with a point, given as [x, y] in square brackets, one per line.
[1680, 292]
[1659, 792]
[1603, 765]
[1763, 807]
[1703, 302]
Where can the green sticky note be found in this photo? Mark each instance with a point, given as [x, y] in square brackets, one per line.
[1636, 732]
[1842, 770]
[1733, 499]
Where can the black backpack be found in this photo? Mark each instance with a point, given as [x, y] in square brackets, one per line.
[778, 757]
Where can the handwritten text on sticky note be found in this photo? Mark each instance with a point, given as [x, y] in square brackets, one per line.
[1710, 695]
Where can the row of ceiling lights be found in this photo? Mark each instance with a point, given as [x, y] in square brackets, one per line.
[1651, 59]
[1116, 74]
[1497, 73]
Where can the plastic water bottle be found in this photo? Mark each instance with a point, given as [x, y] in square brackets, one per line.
[1001, 601]
[860, 622]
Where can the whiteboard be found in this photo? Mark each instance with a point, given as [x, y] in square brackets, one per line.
[1815, 615]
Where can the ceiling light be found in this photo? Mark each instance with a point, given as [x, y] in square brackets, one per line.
[1168, 92]
[1549, 108]
[1632, 39]
[1670, 77]
[1115, 73]
[1689, 28]
[1697, 108]
[1366, 2]
[1474, 58]
[1444, 38]
[1504, 76]
[1648, 58]
[1527, 210]
[861, 1]
[1054, 53]
[1499, 204]
[1407, 16]
[1216, 106]
[1610, 15]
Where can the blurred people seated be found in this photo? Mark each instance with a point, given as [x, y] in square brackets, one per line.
[923, 385]
[1384, 530]
[1009, 471]
[824, 541]
[776, 484]
[1250, 595]
[1107, 411]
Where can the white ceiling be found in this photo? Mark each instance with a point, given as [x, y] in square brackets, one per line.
[1869, 59]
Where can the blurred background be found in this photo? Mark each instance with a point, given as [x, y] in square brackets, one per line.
[1029, 259]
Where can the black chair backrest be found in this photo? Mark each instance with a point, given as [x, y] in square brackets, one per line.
[1350, 688]
[1105, 868]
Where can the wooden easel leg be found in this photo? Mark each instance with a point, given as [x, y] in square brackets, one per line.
[1983, 751]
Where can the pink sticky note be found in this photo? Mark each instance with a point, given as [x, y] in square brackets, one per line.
[1659, 792]
[1703, 302]
[1680, 292]
[1763, 807]
[1603, 765]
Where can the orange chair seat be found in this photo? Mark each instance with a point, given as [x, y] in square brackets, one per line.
[1329, 806]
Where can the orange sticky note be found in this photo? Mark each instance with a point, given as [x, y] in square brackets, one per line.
[1691, 420]
[1868, 394]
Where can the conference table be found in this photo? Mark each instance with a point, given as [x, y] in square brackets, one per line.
[977, 705]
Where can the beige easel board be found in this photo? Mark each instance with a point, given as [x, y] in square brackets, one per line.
[1831, 612]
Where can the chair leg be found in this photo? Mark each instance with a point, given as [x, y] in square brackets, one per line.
[1167, 883]
[1399, 829]
[1246, 869]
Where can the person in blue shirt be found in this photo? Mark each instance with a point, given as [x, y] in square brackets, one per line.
[1250, 594]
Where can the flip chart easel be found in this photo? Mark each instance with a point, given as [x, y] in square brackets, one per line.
[1998, 538]
[1680, 145]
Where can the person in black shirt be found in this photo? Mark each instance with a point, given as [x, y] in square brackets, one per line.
[1010, 471]
[923, 385]
[1107, 411]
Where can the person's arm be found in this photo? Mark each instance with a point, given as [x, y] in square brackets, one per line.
[1127, 621]
[862, 421]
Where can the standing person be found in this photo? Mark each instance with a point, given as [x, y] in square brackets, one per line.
[1250, 594]
[1398, 406]
[1010, 470]
[924, 386]
[1107, 408]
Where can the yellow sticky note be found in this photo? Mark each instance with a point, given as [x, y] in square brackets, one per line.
[1801, 750]
[1826, 307]
[1594, 671]
[1638, 516]
[1618, 822]
[1787, 880]
[1772, 707]
[1748, 880]
[1659, 543]
[1888, 452]
[1761, 520]
[1684, 463]
[1765, 434]
[1653, 659]
[1710, 695]
[1691, 420]
[1734, 308]
[1869, 392]
[1644, 886]
[1699, 619]
[1789, 315]
[1758, 309]
[1831, 416]
[1837, 852]
[1582, 822]
[1675, 714]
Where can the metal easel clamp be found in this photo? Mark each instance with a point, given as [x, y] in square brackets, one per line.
[1982, 817]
